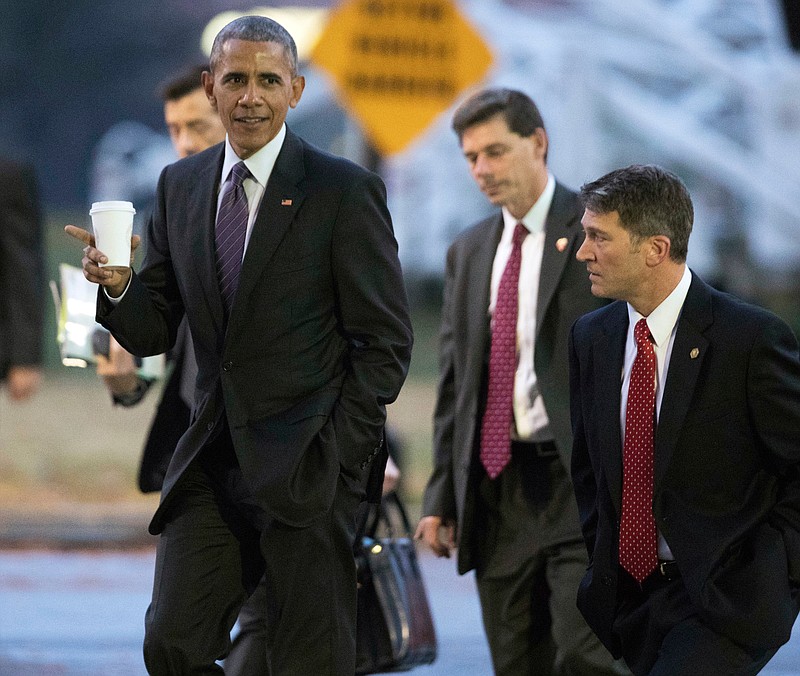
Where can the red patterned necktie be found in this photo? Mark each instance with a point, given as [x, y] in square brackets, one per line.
[496, 425]
[638, 552]
[230, 234]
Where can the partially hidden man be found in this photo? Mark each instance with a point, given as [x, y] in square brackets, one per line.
[686, 459]
[283, 260]
[21, 288]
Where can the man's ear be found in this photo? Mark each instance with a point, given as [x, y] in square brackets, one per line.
[542, 142]
[298, 85]
[659, 247]
[207, 79]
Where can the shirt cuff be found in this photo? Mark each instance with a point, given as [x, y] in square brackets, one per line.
[116, 300]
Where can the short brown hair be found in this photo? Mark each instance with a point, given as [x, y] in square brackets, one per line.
[182, 83]
[649, 200]
[518, 109]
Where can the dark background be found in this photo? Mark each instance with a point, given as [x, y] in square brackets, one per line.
[70, 69]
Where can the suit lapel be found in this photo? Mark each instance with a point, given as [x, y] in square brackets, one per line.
[279, 205]
[481, 261]
[555, 257]
[608, 356]
[686, 360]
[202, 214]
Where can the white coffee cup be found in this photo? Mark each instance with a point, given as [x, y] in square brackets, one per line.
[112, 222]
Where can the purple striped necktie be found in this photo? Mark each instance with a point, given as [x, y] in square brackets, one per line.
[230, 233]
[495, 450]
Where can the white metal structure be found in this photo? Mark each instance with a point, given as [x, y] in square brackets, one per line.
[707, 88]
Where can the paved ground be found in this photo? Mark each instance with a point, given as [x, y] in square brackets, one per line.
[79, 613]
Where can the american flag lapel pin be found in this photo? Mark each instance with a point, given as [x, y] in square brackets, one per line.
[286, 202]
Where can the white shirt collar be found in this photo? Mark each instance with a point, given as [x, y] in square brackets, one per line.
[259, 163]
[662, 320]
[535, 219]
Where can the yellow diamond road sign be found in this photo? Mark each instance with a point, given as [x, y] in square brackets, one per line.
[398, 64]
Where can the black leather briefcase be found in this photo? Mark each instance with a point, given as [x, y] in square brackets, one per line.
[395, 629]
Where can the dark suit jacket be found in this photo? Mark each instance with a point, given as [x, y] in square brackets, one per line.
[564, 295]
[727, 463]
[21, 266]
[318, 340]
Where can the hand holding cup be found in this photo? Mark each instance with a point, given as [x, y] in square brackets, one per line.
[112, 222]
[108, 253]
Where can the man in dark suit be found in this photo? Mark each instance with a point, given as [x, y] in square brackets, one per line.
[298, 352]
[686, 459]
[21, 289]
[517, 527]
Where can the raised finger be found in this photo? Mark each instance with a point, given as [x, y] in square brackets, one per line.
[80, 234]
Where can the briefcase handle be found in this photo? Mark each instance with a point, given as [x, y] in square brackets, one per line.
[390, 513]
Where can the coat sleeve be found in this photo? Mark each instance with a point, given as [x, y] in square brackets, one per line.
[439, 498]
[145, 321]
[583, 477]
[373, 315]
[774, 395]
[21, 284]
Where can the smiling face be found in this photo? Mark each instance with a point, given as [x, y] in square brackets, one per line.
[252, 88]
[509, 169]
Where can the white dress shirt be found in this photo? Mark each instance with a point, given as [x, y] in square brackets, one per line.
[662, 322]
[530, 417]
[260, 164]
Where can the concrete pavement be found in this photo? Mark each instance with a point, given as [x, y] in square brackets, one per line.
[79, 613]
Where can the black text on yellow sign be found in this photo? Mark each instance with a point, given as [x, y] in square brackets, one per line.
[398, 64]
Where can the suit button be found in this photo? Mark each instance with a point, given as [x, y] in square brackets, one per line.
[227, 366]
[606, 580]
[210, 426]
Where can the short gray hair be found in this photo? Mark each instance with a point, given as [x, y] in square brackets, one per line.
[255, 29]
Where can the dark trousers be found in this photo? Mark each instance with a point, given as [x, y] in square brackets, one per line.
[663, 635]
[531, 563]
[248, 656]
[212, 553]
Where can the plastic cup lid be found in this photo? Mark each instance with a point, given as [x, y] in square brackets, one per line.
[112, 205]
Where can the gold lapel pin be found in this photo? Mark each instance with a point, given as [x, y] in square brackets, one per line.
[695, 353]
[561, 244]
[286, 202]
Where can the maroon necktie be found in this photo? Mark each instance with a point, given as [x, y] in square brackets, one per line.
[638, 552]
[496, 426]
[230, 233]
